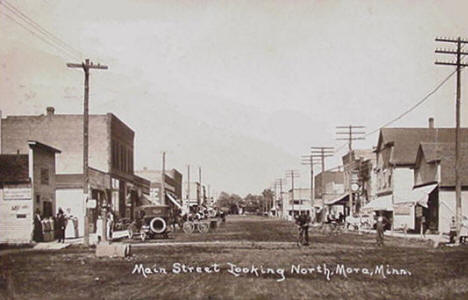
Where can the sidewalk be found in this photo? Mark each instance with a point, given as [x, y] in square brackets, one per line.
[116, 235]
[429, 237]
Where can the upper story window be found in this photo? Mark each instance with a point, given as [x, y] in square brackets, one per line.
[44, 176]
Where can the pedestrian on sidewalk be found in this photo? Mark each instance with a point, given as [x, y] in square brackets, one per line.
[453, 231]
[61, 224]
[110, 225]
[38, 235]
[380, 231]
[99, 229]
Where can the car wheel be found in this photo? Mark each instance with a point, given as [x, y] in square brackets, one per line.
[158, 225]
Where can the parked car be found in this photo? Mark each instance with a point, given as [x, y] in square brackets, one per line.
[150, 221]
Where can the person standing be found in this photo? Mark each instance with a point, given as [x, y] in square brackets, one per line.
[302, 222]
[38, 235]
[61, 224]
[380, 231]
[453, 231]
[110, 225]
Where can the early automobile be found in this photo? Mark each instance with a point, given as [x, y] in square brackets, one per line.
[150, 221]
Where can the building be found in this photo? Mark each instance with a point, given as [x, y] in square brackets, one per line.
[112, 181]
[330, 193]
[359, 178]
[193, 194]
[172, 186]
[295, 202]
[27, 184]
[434, 179]
[396, 152]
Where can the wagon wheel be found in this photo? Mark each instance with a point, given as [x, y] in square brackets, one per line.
[188, 227]
[203, 227]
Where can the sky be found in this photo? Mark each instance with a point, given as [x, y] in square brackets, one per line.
[241, 89]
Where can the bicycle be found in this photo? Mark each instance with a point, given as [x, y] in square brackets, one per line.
[301, 240]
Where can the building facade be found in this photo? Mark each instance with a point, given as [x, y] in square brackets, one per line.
[27, 185]
[112, 182]
[396, 156]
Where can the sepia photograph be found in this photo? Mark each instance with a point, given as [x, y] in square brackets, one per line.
[233, 149]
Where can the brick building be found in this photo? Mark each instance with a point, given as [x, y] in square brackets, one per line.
[111, 147]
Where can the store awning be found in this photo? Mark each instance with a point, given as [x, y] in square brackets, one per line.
[338, 200]
[381, 203]
[422, 194]
[173, 200]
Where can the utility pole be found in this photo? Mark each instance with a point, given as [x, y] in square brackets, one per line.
[352, 136]
[293, 174]
[188, 187]
[201, 186]
[459, 65]
[322, 153]
[280, 181]
[163, 179]
[86, 66]
[310, 160]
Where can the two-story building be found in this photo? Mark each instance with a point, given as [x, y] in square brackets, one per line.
[112, 181]
[396, 156]
[330, 194]
[359, 179]
[296, 201]
[434, 178]
[172, 186]
[27, 185]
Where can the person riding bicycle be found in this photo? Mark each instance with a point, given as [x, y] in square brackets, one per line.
[302, 221]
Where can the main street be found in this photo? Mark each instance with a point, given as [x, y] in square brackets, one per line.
[249, 257]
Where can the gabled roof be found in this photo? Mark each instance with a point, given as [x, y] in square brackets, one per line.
[14, 168]
[406, 141]
[445, 154]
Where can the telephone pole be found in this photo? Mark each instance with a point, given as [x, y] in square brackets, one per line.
[459, 65]
[86, 66]
[201, 186]
[163, 179]
[322, 153]
[281, 181]
[293, 174]
[188, 187]
[352, 135]
[310, 160]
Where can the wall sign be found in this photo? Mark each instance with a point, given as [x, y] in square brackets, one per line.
[16, 194]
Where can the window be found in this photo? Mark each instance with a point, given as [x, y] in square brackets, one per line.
[45, 176]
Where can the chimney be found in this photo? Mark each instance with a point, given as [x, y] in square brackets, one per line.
[431, 122]
[50, 110]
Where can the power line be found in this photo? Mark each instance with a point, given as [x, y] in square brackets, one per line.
[69, 55]
[41, 29]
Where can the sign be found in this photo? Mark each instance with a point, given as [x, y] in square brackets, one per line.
[402, 210]
[419, 211]
[16, 194]
[154, 195]
[91, 203]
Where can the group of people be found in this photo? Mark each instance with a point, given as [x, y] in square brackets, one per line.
[109, 226]
[59, 224]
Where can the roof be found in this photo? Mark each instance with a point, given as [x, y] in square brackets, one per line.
[42, 146]
[445, 154]
[14, 168]
[406, 141]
